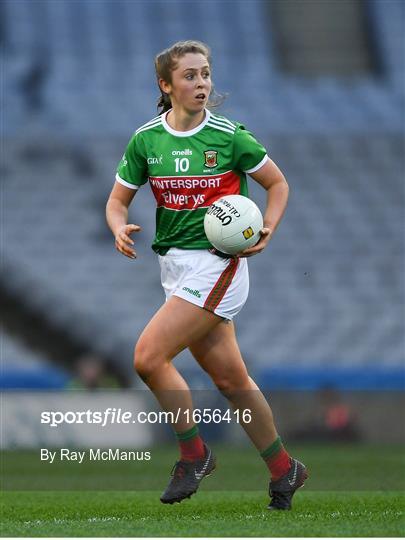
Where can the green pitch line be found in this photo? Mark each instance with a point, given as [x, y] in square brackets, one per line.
[115, 514]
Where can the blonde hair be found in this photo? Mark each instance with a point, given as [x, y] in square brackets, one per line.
[166, 62]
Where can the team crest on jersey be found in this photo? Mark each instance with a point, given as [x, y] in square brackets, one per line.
[210, 158]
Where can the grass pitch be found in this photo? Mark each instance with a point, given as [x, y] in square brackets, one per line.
[227, 504]
[206, 514]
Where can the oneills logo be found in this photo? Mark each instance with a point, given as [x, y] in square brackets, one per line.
[210, 158]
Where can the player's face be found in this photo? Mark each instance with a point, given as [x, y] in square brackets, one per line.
[191, 83]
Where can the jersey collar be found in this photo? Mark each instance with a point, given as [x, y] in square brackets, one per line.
[185, 133]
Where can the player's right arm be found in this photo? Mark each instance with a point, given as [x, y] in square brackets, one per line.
[117, 216]
[131, 174]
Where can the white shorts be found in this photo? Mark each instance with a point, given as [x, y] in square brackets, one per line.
[206, 280]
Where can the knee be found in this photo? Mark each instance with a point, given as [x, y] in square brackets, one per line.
[146, 359]
[230, 386]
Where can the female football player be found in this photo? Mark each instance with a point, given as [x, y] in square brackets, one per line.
[191, 157]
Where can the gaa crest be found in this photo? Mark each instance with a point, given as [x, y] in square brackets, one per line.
[210, 158]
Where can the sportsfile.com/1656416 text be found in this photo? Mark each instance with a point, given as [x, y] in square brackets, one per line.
[113, 415]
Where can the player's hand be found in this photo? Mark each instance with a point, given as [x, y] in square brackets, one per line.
[265, 235]
[124, 243]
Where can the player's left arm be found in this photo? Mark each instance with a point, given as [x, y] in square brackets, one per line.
[273, 181]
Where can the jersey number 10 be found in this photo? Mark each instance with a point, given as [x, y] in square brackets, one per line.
[182, 164]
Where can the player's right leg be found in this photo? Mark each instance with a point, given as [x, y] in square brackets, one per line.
[174, 327]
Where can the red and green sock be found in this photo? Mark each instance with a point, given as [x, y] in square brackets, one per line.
[277, 459]
[191, 445]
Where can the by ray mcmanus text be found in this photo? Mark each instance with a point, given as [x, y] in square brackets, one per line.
[93, 454]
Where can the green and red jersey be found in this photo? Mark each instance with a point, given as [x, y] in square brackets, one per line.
[187, 171]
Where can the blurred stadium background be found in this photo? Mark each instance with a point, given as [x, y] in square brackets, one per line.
[321, 84]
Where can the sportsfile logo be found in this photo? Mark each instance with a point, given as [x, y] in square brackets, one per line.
[194, 293]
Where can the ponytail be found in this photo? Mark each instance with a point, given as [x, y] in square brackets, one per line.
[164, 102]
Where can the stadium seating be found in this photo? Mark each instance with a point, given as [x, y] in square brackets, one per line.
[97, 59]
[327, 291]
[22, 368]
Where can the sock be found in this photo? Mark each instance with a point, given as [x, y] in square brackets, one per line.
[277, 459]
[191, 445]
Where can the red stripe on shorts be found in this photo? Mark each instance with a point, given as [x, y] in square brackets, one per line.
[221, 286]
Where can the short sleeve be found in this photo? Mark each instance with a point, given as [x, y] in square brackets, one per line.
[248, 154]
[132, 169]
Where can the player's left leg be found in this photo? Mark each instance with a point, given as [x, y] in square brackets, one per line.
[219, 355]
